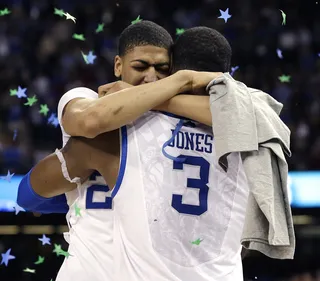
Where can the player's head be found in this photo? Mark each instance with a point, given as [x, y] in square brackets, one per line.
[202, 49]
[144, 53]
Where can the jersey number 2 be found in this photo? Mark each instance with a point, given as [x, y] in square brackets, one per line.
[107, 204]
[200, 183]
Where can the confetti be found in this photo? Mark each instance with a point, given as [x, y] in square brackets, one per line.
[100, 27]
[77, 210]
[69, 17]
[53, 120]
[40, 260]
[224, 15]
[6, 257]
[4, 12]
[7, 177]
[64, 253]
[18, 209]
[233, 70]
[21, 93]
[284, 17]
[279, 53]
[197, 242]
[89, 58]
[31, 101]
[29, 270]
[136, 20]
[15, 134]
[84, 57]
[59, 251]
[78, 37]
[284, 78]
[58, 12]
[13, 92]
[45, 240]
[179, 31]
[44, 109]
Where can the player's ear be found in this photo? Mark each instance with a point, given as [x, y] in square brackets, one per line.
[117, 66]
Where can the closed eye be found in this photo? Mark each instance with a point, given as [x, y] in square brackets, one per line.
[139, 68]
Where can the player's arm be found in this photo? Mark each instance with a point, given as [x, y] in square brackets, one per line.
[89, 118]
[46, 180]
[194, 107]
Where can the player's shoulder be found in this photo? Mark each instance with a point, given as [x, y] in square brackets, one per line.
[79, 92]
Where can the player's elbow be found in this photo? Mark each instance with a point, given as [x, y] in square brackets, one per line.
[87, 123]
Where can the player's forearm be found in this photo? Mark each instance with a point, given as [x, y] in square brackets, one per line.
[190, 106]
[115, 110]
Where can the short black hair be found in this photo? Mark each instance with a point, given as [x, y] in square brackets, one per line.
[202, 49]
[144, 33]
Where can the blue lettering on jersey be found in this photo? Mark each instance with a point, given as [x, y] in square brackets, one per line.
[192, 141]
[200, 183]
[90, 204]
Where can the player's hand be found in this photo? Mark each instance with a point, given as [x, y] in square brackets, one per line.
[200, 79]
[111, 88]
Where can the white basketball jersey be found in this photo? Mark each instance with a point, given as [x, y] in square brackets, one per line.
[177, 220]
[90, 220]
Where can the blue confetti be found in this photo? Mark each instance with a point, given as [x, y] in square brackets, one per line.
[7, 177]
[21, 93]
[233, 70]
[53, 120]
[45, 240]
[224, 15]
[15, 133]
[279, 53]
[6, 257]
[18, 209]
[89, 58]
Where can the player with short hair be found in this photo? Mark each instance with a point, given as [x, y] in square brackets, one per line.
[178, 214]
[191, 51]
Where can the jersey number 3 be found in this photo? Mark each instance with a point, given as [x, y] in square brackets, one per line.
[200, 183]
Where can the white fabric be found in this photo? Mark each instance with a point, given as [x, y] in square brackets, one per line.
[152, 239]
[64, 168]
[90, 235]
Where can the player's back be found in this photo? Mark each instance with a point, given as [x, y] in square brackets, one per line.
[178, 220]
[90, 236]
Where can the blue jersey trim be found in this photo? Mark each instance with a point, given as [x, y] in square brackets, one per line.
[123, 160]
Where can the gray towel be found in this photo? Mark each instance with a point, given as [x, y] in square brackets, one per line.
[247, 120]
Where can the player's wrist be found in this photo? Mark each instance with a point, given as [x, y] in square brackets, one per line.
[185, 80]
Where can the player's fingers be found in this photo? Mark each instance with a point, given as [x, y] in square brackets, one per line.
[104, 89]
